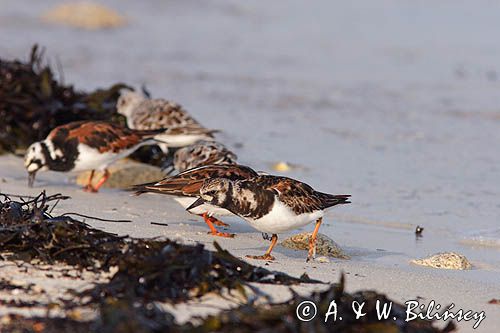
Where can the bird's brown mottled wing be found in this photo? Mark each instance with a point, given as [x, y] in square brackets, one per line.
[160, 113]
[189, 182]
[302, 197]
[189, 130]
[297, 195]
[99, 135]
[203, 153]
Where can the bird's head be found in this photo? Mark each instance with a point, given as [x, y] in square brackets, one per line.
[128, 101]
[34, 160]
[215, 192]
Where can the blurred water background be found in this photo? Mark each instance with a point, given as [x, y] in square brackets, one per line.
[396, 102]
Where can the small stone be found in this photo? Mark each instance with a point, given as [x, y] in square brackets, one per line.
[124, 174]
[325, 246]
[445, 260]
[84, 15]
[282, 166]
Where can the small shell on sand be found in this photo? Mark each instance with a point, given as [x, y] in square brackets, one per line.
[445, 260]
[325, 246]
[124, 174]
[85, 15]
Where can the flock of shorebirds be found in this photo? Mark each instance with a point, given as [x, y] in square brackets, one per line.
[209, 182]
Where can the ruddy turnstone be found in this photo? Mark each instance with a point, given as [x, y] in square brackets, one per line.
[150, 114]
[84, 145]
[202, 153]
[271, 204]
[185, 187]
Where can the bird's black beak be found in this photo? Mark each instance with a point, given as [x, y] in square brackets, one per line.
[31, 178]
[195, 204]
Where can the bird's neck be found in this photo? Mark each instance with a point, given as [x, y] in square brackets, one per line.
[62, 161]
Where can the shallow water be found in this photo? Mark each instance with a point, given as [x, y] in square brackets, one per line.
[397, 103]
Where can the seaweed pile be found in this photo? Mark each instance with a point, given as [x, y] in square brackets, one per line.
[166, 270]
[123, 316]
[29, 232]
[33, 102]
[283, 318]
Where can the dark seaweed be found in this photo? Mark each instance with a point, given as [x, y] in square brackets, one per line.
[33, 102]
[282, 317]
[127, 316]
[168, 271]
[28, 231]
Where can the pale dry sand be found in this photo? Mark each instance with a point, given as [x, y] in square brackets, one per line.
[400, 281]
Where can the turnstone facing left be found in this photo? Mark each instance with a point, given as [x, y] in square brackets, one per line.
[150, 114]
[185, 187]
[271, 204]
[84, 145]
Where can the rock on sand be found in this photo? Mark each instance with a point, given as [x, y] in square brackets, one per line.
[124, 174]
[445, 260]
[325, 246]
[85, 15]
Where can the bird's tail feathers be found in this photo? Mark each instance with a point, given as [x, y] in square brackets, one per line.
[330, 200]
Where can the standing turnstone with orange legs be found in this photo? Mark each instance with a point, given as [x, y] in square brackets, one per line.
[202, 153]
[271, 204]
[150, 114]
[84, 145]
[185, 187]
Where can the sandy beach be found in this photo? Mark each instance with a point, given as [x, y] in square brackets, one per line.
[366, 269]
[396, 104]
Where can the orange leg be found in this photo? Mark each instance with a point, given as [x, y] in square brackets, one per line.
[218, 222]
[213, 230]
[267, 255]
[312, 241]
[89, 187]
[102, 180]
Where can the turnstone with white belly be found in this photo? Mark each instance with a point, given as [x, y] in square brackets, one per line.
[84, 145]
[185, 187]
[202, 153]
[271, 204]
[150, 114]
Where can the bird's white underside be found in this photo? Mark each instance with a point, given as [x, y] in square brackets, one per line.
[282, 218]
[91, 159]
[181, 140]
